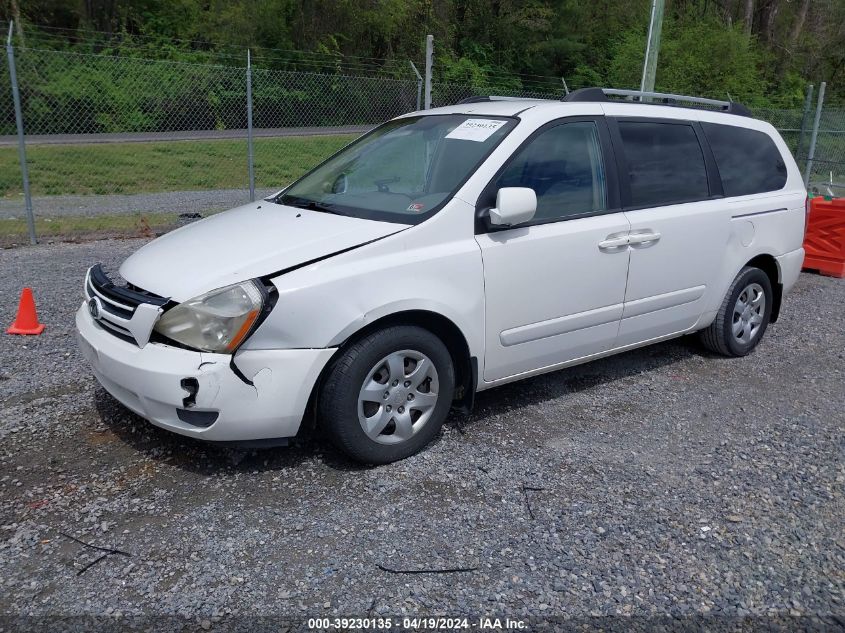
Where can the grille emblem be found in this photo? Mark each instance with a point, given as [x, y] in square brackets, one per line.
[94, 308]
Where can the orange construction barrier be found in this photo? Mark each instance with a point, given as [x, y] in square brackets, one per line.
[824, 244]
[27, 319]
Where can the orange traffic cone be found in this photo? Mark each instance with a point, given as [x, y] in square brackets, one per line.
[27, 319]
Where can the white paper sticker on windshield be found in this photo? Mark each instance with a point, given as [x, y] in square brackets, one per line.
[475, 130]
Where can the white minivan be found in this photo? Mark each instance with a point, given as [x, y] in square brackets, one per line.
[447, 252]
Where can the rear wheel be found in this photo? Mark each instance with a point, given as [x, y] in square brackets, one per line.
[387, 395]
[743, 316]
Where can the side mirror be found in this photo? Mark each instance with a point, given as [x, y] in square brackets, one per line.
[514, 205]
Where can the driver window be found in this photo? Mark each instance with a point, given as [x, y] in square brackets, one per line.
[563, 165]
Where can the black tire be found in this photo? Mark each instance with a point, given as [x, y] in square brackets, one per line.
[338, 406]
[719, 336]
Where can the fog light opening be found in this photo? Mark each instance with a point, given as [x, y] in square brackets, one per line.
[191, 386]
[202, 419]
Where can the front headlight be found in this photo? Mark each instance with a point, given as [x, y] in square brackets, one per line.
[217, 321]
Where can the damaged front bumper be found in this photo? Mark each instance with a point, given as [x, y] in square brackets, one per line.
[198, 394]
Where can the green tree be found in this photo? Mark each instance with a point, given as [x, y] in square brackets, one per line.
[696, 57]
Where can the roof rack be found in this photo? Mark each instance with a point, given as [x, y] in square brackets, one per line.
[658, 98]
[485, 98]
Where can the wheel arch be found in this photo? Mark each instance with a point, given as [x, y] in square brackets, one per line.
[466, 365]
[769, 265]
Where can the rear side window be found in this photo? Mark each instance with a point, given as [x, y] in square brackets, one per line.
[748, 160]
[665, 163]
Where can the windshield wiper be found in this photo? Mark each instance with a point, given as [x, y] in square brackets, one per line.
[305, 203]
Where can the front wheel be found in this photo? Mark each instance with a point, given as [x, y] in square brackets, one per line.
[387, 395]
[743, 316]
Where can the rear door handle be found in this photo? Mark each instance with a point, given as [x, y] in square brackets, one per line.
[643, 237]
[614, 241]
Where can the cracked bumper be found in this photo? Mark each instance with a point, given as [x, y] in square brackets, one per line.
[148, 381]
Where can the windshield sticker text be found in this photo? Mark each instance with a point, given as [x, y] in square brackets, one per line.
[475, 130]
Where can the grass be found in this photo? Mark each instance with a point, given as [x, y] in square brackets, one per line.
[126, 168]
[71, 229]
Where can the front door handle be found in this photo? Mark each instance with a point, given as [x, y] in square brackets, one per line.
[646, 236]
[614, 241]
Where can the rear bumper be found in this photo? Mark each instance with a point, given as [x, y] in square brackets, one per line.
[789, 267]
[149, 381]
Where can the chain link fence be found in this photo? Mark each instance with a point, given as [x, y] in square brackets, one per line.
[446, 93]
[827, 173]
[301, 118]
[10, 169]
[122, 145]
[126, 145]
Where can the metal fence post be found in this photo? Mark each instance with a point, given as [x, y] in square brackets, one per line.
[565, 87]
[429, 59]
[419, 83]
[808, 103]
[652, 49]
[815, 135]
[250, 156]
[16, 97]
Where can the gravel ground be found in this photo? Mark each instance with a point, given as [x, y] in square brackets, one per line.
[662, 483]
[115, 204]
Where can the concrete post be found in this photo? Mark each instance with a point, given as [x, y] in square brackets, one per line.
[429, 60]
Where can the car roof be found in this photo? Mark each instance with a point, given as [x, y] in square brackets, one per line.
[550, 109]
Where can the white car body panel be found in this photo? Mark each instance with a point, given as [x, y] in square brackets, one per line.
[418, 269]
[147, 381]
[243, 243]
[668, 278]
[541, 307]
[527, 300]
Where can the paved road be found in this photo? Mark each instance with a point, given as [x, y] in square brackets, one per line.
[165, 202]
[678, 489]
[190, 135]
[161, 202]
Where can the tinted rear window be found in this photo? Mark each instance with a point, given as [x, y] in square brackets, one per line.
[748, 160]
[665, 163]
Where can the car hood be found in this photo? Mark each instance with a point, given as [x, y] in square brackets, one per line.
[250, 241]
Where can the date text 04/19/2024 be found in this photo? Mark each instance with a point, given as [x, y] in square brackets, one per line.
[417, 624]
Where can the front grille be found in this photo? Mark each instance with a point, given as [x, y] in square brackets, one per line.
[128, 296]
[128, 313]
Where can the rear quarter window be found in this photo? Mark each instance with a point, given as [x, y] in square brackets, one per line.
[748, 160]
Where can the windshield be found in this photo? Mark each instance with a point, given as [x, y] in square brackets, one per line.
[403, 171]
